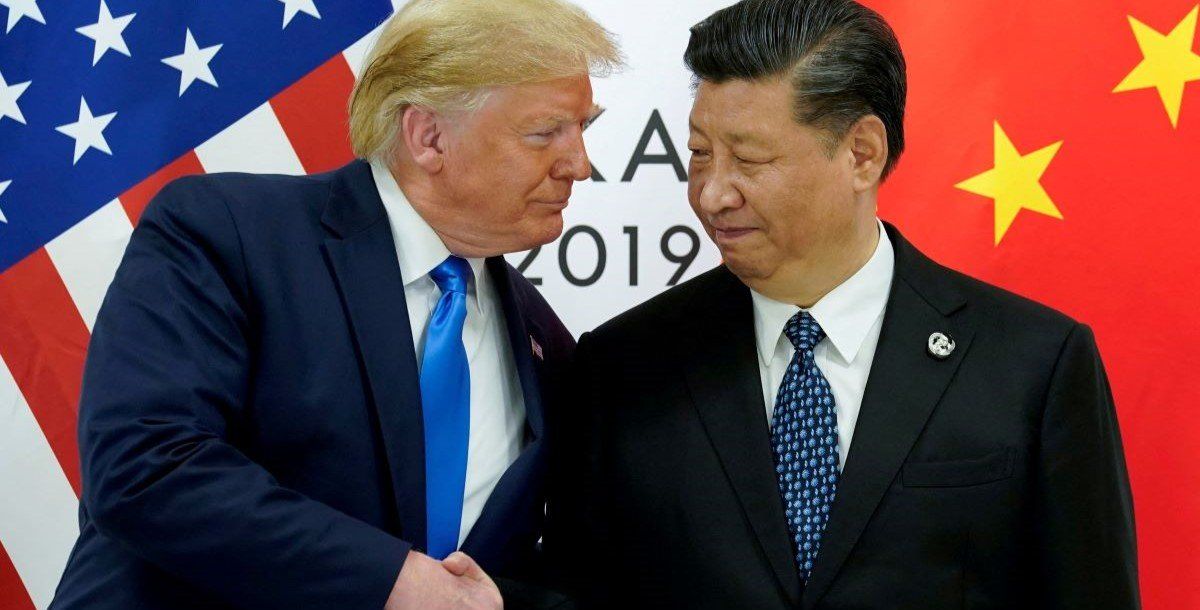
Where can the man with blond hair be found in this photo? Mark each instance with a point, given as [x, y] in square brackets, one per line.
[331, 391]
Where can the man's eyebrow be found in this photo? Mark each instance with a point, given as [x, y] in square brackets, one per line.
[744, 138]
[735, 138]
[597, 110]
[562, 119]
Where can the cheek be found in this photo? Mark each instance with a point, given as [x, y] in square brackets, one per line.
[504, 188]
[786, 210]
[773, 199]
[695, 187]
[833, 204]
[471, 178]
[528, 177]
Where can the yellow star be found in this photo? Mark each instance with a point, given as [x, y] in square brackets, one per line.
[1168, 62]
[1014, 182]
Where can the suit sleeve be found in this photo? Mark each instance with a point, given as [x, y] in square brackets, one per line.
[164, 399]
[1085, 507]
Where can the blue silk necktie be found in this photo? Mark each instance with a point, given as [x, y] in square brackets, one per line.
[446, 408]
[804, 437]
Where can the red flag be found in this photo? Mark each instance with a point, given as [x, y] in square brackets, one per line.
[1052, 150]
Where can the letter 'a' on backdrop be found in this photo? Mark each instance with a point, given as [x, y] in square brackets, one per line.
[1051, 150]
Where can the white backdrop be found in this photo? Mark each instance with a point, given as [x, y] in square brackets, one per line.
[653, 35]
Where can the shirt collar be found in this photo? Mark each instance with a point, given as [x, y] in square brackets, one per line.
[418, 248]
[846, 314]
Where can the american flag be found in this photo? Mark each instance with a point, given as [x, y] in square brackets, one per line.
[101, 103]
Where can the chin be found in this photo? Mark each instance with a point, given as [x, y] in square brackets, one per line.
[746, 268]
[553, 227]
[544, 231]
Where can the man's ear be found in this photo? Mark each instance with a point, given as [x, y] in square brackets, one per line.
[422, 133]
[868, 152]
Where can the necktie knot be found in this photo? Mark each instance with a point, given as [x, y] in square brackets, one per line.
[452, 275]
[804, 332]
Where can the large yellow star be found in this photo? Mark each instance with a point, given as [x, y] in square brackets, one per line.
[1014, 182]
[1168, 62]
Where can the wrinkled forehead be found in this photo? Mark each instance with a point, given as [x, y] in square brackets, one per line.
[739, 110]
[559, 101]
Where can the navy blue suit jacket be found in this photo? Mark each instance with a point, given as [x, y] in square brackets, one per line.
[250, 426]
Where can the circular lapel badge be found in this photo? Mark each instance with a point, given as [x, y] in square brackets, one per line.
[940, 346]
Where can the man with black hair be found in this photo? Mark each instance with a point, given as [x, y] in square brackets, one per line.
[830, 419]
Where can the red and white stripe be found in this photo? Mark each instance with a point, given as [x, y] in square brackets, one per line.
[50, 301]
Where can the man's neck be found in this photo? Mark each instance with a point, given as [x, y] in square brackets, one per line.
[806, 285]
[422, 196]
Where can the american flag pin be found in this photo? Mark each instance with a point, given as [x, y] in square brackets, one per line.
[537, 349]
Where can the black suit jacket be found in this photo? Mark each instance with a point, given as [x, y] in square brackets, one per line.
[991, 479]
[250, 426]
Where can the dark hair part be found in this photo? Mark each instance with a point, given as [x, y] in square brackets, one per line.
[843, 60]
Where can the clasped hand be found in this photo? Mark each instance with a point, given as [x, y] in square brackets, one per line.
[457, 582]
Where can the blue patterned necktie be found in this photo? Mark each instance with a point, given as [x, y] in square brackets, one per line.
[446, 408]
[804, 437]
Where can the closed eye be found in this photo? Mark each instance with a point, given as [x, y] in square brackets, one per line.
[545, 134]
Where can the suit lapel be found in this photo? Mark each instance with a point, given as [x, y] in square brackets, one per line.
[521, 333]
[721, 368]
[497, 522]
[904, 386]
[362, 256]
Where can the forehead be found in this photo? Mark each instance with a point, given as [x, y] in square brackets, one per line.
[743, 111]
[567, 99]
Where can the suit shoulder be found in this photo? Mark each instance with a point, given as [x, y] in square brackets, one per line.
[269, 212]
[1014, 313]
[660, 312]
[238, 193]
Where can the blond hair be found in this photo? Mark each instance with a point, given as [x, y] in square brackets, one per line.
[446, 54]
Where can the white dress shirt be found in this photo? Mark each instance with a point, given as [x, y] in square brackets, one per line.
[497, 401]
[851, 315]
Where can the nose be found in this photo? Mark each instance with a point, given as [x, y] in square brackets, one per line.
[717, 193]
[574, 163]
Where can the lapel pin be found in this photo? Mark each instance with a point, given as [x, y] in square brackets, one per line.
[537, 349]
[940, 346]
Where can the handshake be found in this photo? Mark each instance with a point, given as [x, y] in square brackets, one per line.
[425, 583]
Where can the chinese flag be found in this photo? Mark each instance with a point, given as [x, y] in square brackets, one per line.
[1054, 150]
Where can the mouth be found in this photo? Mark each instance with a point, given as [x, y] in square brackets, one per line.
[558, 204]
[731, 235]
